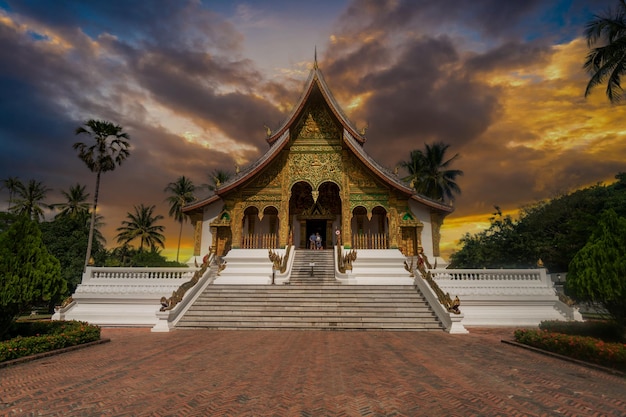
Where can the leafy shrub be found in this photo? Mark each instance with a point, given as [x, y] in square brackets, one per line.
[44, 336]
[584, 348]
[608, 331]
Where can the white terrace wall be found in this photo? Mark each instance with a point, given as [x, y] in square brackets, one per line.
[123, 297]
[504, 297]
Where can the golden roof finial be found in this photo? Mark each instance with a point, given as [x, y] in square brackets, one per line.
[315, 58]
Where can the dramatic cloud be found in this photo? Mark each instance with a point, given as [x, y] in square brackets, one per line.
[194, 82]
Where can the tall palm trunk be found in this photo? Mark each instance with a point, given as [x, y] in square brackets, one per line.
[93, 221]
[180, 235]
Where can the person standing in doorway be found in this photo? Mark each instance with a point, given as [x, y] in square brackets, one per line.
[318, 241]
[312, 243]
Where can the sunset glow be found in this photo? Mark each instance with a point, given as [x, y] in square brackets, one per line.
[195, 83]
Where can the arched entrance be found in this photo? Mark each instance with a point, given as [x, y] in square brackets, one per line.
[370, 230]
[259, 230]
[313, 212]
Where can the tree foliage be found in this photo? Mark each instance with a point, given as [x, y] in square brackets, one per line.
[430, 173]
[29, 199]
[217, 178]
[108, 150]
[66, 239]
[606, 60]
[181, 193]
[75, 202]
[553, 231]
[597, 272]
[142, 225]
[127, 256]
[29, 274]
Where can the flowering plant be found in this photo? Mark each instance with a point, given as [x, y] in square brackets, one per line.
[58, 335]
[583, 348]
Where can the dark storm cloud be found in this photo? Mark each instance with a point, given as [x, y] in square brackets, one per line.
[490, 17]
[511, 55]
[239, 115]
[156, 22]
[423, 96]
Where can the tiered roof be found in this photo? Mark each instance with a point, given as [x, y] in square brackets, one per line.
[351, 137]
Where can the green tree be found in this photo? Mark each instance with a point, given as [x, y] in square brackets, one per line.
[12, 184]
[181, 194]
[109, 149]
[553, 230]
[29, 200]
[430, 174]
[607, 62]
[217, 177]
[598, 271]
[75, 204]
[142, 225]
[66, 239]
[29, 275]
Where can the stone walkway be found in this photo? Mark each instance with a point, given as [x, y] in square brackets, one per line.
[291, 373]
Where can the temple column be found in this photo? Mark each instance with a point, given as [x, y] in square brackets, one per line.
[237, 225]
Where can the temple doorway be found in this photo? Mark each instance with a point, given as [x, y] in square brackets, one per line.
[317, 226]
[314, 211]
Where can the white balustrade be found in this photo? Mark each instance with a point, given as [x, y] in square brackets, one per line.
[507, 275]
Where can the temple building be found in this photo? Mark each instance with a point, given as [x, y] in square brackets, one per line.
[317, 178]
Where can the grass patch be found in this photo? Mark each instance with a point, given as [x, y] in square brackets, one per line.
[33, 337]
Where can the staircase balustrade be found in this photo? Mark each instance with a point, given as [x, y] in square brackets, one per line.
[370, 241]
[260, 241]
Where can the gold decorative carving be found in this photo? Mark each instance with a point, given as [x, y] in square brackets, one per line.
[317, 123]
[197, 238]
[315, 168]
[177, 296]
[345, 260]
[444, 298]
[435, 223]
[358, 176]
[269, 176]
[279, 263]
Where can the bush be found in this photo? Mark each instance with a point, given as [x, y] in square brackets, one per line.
[30, 338]
[29, 275]
[583, 348]
[607, 331]
[597, 273]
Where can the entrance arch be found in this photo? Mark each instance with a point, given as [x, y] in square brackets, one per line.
[313, 212]
[370, 230]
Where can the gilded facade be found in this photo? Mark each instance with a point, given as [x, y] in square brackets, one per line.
[316, 178]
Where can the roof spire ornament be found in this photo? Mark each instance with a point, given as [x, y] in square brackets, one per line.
[315, 58]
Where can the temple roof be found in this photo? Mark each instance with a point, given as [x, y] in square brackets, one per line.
[351, 137]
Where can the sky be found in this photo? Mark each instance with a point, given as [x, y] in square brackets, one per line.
[194, 82]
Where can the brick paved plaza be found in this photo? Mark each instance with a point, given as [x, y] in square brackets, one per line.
[291, 373]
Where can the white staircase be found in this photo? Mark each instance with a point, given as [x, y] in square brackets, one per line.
[310, 307]
[313, 267]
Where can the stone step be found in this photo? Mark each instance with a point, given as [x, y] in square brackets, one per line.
[312, 307]
[316, 325]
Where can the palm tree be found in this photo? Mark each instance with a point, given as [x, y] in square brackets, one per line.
[12, 184]
[29, 199]
[75, 204]
[181, 193]
[218, 177]
[607, 63]
[109, 150]
[141, 224]
[429, 174]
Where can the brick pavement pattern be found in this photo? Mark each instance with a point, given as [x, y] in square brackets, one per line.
[307, 373]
